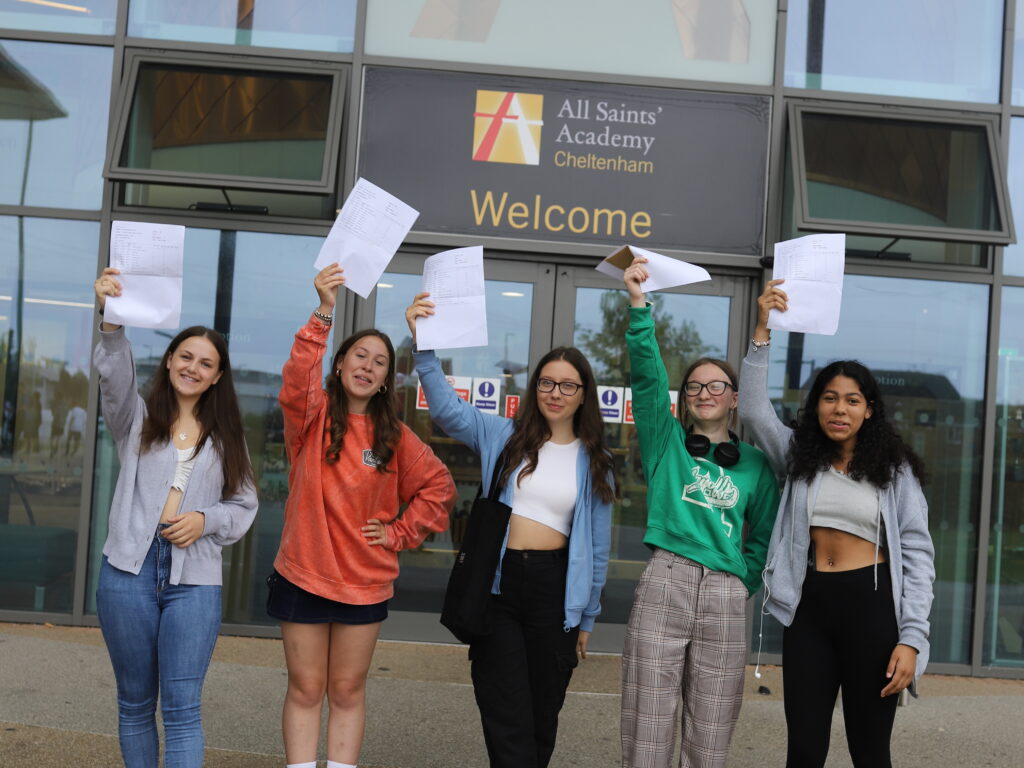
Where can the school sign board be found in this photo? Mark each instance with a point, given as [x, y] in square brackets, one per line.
[558, 160]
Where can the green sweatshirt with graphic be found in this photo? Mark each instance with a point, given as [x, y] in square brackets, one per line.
[696, 508]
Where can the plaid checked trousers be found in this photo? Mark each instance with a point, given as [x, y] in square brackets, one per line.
[686, 639]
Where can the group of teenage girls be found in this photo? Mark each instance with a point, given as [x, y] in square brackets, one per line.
[844, 556]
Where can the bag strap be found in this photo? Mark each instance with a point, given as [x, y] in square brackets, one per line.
[499, 467]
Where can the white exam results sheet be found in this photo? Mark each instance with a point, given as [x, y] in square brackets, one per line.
[150, 258]
[455, 281]
[812, 267]
[662, 271]
[370, 228]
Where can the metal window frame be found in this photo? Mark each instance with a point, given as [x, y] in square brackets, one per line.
[989, 123]
[135, 58]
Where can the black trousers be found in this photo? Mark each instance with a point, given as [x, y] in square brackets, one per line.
[841, 638]
[522, 668]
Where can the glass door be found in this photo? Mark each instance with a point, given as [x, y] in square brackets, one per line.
[520, 297]
[695, 321]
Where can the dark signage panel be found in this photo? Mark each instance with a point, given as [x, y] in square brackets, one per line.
[580, 162]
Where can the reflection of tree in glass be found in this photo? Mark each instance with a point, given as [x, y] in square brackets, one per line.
[680, 341]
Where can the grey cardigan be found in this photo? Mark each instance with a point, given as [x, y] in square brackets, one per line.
[145, 479]
[911, 556]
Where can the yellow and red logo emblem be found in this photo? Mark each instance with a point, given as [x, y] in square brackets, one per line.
[506, 127]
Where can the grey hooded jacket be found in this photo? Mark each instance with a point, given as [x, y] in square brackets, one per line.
[911, 555]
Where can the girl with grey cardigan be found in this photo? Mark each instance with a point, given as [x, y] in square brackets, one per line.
[185, 489]
[850, 562]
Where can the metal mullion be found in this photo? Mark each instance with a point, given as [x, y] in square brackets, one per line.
[505, 70]
[941, 272]
[237, 222]
[224, 49]
[37, 36]
[880, 100]
[85, 517]
[40, 212]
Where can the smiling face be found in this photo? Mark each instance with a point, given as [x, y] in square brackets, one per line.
[363, 371]
[194, 367]
[706, 409]
[842, 409]
[557, 408]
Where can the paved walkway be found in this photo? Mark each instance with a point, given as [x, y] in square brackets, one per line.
[57, 708]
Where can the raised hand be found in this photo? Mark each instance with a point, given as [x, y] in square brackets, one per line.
[326, 283]
[420, 307]
[771, 298]
[634, 275]
[107, 285]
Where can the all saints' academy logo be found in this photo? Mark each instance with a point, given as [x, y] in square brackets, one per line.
[507, 126]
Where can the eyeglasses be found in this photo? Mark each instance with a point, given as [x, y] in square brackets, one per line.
[567, 388]
[693, 388]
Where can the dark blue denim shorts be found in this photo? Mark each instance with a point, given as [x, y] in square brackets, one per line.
[287, 602]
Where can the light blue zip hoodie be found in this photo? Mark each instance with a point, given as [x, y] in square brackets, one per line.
[590, 537]
[911, 555]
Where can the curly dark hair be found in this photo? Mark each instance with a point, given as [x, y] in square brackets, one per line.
[879, 450]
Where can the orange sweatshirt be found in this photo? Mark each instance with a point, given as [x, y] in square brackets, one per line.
[322, 547]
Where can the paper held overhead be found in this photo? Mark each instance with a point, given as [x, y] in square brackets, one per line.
[812, 267]
[150, 259]
[663, 271]
[365, 236]
[455, 281]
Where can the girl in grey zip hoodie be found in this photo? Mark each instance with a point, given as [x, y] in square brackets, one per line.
[908, 557]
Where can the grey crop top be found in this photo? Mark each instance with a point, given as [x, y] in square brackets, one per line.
[850, 506]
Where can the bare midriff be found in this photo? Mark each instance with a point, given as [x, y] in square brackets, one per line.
[524, 533]
[171, 506]
[840, 551]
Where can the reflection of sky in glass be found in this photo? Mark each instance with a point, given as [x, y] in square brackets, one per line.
[311, 25]
[937, 49]
[1011, 348]
[895, 324]
[60, 265]
[66, 163]
[95, 19]
[1013, 255]
[508, 325]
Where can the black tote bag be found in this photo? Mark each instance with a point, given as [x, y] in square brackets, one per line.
[468, 596]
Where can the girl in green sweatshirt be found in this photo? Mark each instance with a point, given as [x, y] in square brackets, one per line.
[686, 637]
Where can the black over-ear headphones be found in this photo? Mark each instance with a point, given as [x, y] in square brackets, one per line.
[725, 455]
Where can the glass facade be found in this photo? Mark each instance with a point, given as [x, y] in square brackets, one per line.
[46, 309]
[930, 364]
[98, 18]
[311, 25]
[54, 102]
[717, 40]
[1004, 620]
[932, 49]
[246, 131]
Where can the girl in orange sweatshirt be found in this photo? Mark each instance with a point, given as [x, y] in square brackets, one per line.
[352, 464]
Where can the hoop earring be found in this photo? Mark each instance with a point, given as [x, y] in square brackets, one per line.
[383, 390]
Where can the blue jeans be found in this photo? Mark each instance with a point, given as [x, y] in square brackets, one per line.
[160, 638]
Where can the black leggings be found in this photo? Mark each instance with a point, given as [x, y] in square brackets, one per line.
[842, 637]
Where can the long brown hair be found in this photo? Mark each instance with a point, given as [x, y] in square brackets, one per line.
[382, 408]
[217, 412]
[531, 429]
[683, 413]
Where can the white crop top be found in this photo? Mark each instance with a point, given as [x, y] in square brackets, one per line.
[548, 494]
[850, 506]
[183, 470]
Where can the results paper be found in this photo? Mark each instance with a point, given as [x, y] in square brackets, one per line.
[370, 228]
[812, 267]
[662, 271]
[150, 258]
[455, 281]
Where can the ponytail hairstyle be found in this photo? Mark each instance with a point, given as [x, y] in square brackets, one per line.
[217, 412]
[382, 408]
[878, 452]
[530, 430]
